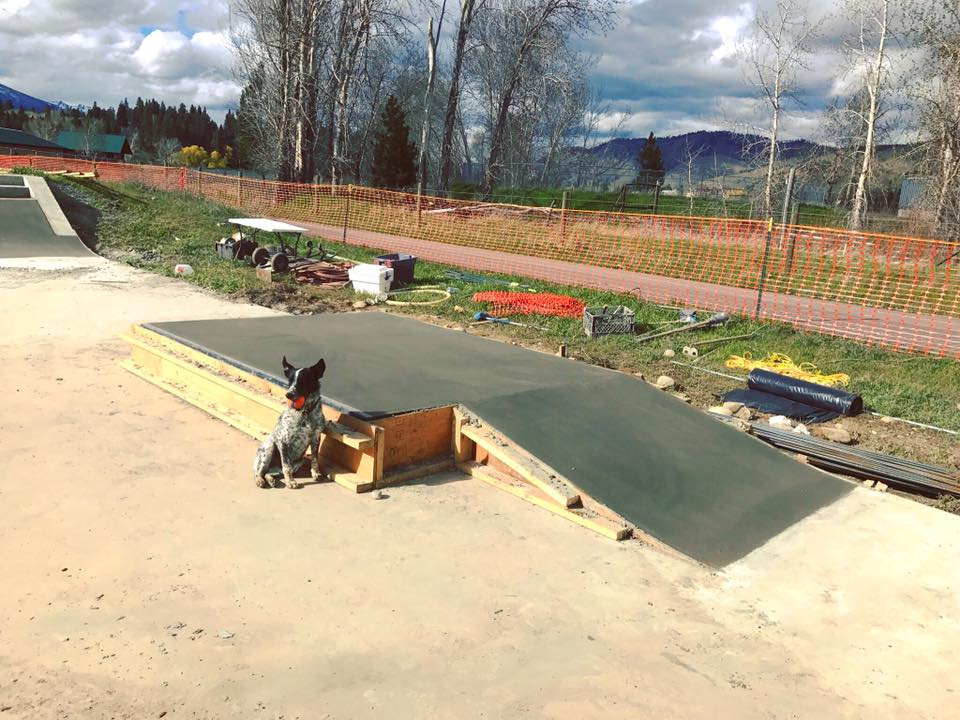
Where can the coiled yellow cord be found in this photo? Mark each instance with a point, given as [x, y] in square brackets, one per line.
[780, 363]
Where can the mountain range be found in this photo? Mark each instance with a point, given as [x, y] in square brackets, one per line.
[28, 102]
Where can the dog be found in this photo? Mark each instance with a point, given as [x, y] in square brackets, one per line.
[298, 427]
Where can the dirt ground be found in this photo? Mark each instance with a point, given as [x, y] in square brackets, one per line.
[146, 576]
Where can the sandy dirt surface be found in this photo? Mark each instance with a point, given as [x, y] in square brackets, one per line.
[145, 576]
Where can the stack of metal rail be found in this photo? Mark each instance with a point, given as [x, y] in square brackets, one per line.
[910, 475]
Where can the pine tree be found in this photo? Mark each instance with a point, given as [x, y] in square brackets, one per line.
[650, 161]
[394, 163]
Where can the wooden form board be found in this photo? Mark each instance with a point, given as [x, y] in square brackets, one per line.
[363, 455]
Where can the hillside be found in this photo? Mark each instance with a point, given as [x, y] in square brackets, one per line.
[21, 101]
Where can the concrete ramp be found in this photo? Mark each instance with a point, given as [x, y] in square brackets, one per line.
[707, 490]
[33, 229]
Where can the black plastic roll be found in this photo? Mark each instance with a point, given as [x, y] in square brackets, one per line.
[809, 393]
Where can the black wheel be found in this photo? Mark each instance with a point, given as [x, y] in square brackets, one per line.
[280, 263]
[245, 249]
[260, 256]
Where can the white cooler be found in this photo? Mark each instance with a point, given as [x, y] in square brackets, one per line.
[371, 279]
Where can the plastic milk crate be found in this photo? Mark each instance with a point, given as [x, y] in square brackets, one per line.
[607, 321]
[403, 267]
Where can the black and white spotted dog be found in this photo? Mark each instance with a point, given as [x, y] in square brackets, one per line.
[298, 427]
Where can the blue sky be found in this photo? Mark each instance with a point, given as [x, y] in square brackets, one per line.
[668, 66]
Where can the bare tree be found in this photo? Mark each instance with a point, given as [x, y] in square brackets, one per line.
[432, 40]
[467, 9]
[518, 33]
[775, 52]
[868, 56]
[936, 29]
[690, 157]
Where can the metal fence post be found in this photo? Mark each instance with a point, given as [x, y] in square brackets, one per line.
[239, 188]
[419, 196]
[346, 213]
[563, 215]
[763, 267]
[656, 195]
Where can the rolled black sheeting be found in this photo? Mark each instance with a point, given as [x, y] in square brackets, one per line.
[808, 393]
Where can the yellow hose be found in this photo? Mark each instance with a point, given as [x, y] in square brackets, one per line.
[780, 363]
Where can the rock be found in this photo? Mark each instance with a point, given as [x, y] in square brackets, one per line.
[780, 421]
[744, 413]
[690, 351]
[835, 434]
[224, 634]
[665, 382]
[887, 419]
[359, 304]
[683, 397]
[733, 407]
[800, 457]
[379, 495]
[741, 425]
[801, 429]
[867, 483]
[668, 353]
[881, 486]
[720, 410]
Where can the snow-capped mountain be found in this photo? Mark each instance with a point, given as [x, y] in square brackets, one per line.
[28, 102]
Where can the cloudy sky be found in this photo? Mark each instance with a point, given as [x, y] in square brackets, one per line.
[669, 65]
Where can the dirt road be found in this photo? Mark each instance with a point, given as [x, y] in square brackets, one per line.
[145, 574]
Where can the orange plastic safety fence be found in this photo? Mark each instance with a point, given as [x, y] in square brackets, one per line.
[901, 292]
[521, 303]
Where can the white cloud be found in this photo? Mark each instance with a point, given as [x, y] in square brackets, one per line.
[81, 51]
[726, 32]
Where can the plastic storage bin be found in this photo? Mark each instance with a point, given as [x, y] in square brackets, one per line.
[608, 321]
[371, 279]
[403, 266]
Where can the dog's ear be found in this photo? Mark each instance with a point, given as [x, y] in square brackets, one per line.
[287, 367]
[320, 367]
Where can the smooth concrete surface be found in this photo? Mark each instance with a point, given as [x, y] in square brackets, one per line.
[702, 487]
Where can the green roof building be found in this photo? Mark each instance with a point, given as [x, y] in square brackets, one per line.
[104, 147]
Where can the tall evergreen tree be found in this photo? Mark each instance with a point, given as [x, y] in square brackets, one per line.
[650, 161]
[394, 156]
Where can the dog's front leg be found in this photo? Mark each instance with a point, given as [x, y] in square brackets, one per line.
[315, 472]
[287, 470]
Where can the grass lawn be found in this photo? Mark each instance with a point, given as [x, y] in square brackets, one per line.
[154, 230]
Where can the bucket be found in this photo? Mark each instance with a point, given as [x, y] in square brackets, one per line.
[370, 279]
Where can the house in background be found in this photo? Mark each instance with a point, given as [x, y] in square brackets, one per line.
[18, 142]
[94, 146]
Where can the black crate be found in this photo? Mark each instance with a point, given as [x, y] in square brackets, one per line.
[608, 321]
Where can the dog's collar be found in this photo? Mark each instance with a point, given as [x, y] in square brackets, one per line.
[302, 405]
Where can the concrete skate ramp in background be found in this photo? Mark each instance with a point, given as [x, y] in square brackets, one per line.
[701, 487]
[32, 225]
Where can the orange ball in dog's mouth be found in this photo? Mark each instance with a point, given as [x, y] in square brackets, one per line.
[298, 403]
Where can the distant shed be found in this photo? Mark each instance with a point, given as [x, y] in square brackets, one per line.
[95, 146]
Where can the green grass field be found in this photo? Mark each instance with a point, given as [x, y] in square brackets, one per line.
[155, 230]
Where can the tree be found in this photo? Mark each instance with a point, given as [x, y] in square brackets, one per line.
[191, 156]
[935, 27]
[518, 34]
[778, 47]
[467, 8]
[394, 156]
[650, 161]
[432, 40]
[867, 52]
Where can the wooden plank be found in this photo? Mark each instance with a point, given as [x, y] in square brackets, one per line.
[462, 446]
[247, 379]
[416, 436]
[597, 524]
[544, 478]
[347, 436]
[233, 419]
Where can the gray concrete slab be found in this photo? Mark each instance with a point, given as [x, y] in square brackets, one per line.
[711, 492]
[25, 233]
